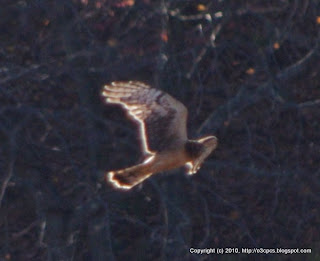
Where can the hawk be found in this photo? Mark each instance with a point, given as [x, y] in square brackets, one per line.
[162, 122]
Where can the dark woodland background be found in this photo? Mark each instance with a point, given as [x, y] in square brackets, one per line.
[248, 71]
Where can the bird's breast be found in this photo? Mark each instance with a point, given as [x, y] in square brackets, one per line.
[167, 160]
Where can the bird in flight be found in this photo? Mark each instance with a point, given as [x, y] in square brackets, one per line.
[162, 122]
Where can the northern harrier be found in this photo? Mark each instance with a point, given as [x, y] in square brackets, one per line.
[162, 126]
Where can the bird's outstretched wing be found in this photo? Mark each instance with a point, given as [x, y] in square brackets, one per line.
[162, 119]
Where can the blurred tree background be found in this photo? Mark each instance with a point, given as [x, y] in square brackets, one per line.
[248, 71]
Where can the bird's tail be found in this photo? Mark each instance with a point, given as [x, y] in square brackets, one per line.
[129, 177]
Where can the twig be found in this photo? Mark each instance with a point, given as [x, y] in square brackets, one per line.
[245, 98]
[309, 104]
[9, 175]
[25, 230]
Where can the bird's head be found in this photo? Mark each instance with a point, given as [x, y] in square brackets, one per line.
[202, 148]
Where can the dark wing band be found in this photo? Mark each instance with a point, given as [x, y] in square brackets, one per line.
[162, 118]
